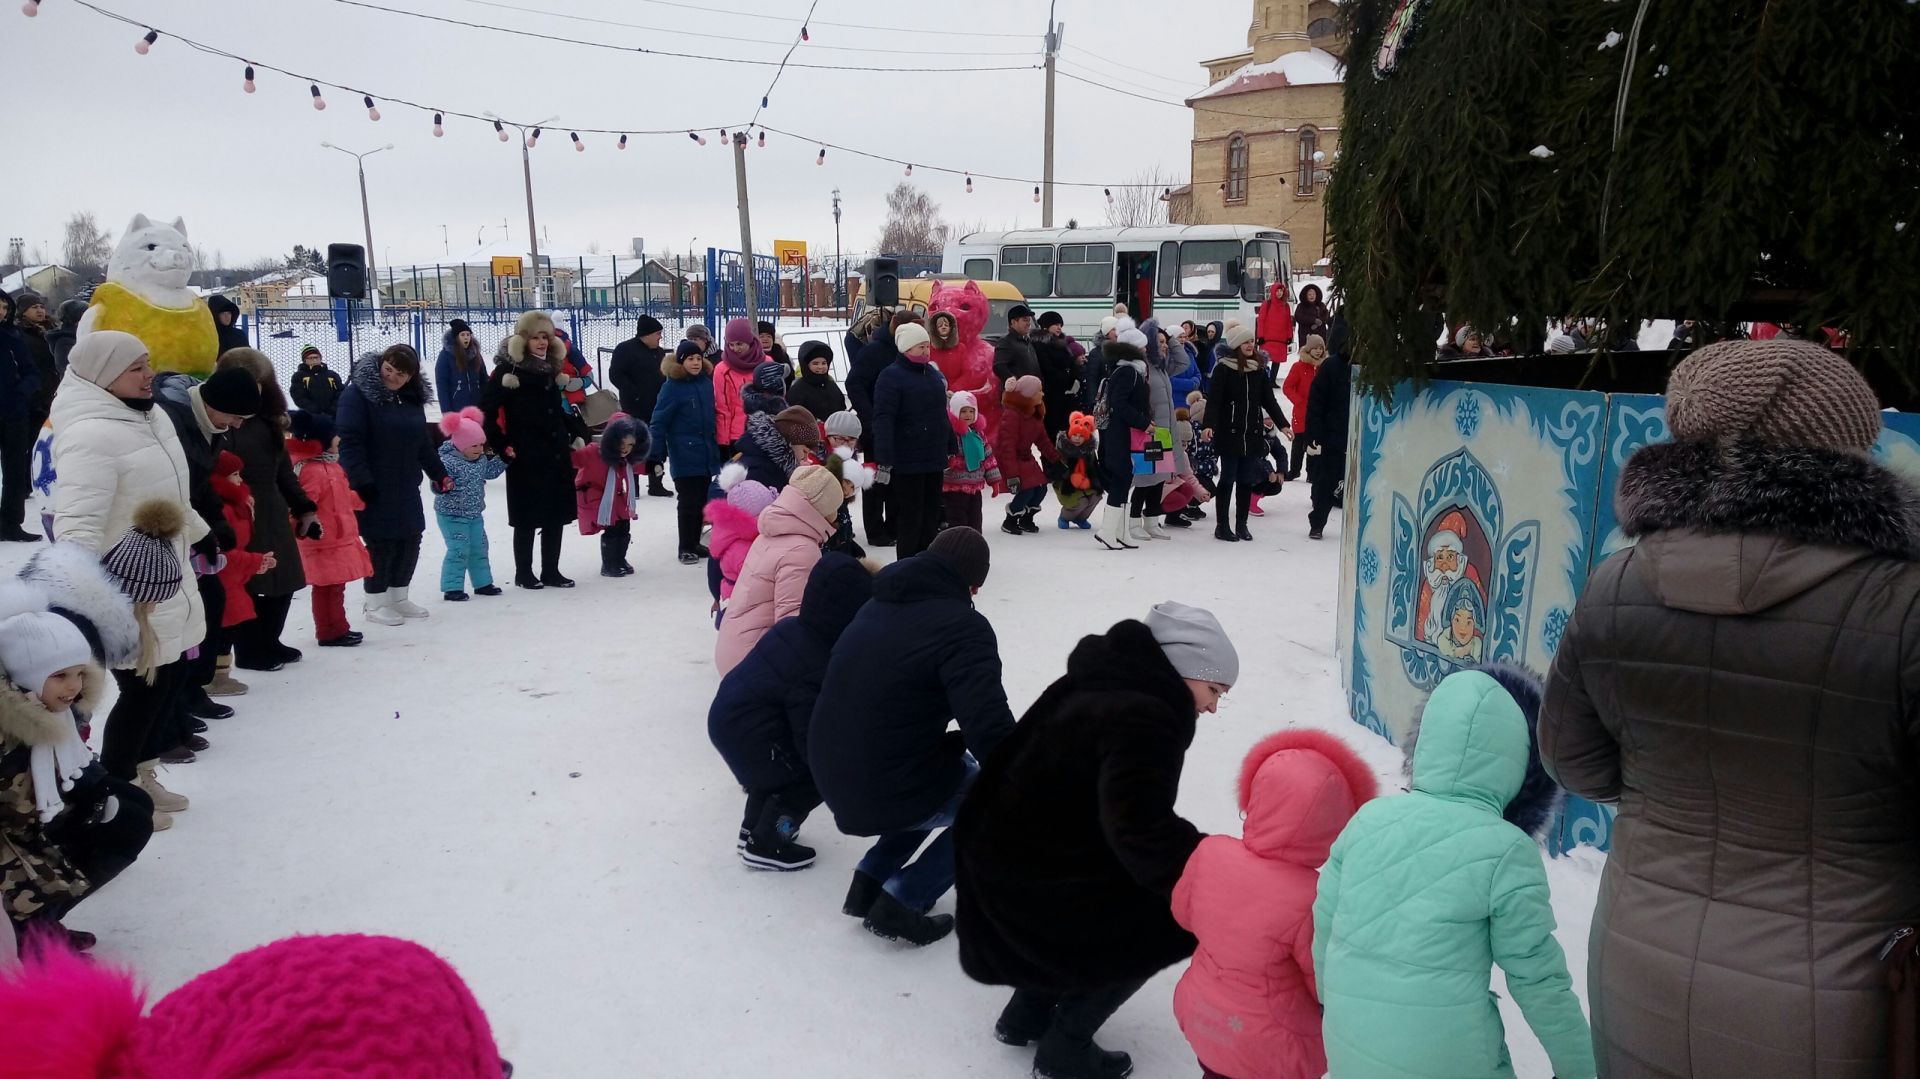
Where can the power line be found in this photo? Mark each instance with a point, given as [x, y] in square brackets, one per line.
[736, 37]
[1198, 106]
[710, 10]
[1131, 69]
[659, 52]
[782, 69]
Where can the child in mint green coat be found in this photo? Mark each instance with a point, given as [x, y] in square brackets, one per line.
[1424, 893]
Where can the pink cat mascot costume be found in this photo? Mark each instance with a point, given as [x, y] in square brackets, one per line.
[968, 365]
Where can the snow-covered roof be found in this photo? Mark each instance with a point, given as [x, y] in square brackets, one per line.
[1312, 67]
[18, 279]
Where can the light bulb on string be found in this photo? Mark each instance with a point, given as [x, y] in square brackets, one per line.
[822, 159]
[1036, 192]
[319, 103]
[439, 125]
[1109, 192]
[804, 36]
[500, 130]
[763, 138]
[909, 168]
[969, 183]
[577, 144]
[623, 142]
[1166, 194]
[533, 139]
[30, 8]
[723, 134]
[763, 101]
[373, 111]
[146, 43]
[247, 83]
[697, 137]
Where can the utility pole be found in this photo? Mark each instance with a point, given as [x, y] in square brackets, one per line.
[366, 217]
[746, 226]
[1055, 31]
[532, 272]
[839, 270]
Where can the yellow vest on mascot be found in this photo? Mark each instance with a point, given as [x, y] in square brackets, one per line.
[146, 295]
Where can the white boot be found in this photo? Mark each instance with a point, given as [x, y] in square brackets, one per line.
[164, 800]
[1112, 533]
[1155, 529]
[380, 610]
[1137, 529]
[406, 607]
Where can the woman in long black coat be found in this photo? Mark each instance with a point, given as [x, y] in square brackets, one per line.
[1128, 410]
[1068, 848]
[529, 425]
[385, 447]
[261, 444]
[1241, 392]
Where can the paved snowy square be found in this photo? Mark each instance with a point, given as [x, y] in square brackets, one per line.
[525, 785]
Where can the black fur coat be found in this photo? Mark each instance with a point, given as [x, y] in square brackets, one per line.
[1068, 847]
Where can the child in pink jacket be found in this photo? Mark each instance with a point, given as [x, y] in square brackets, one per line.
[735, 520]
[606, 484]
[1248, 1003]
[774, 575]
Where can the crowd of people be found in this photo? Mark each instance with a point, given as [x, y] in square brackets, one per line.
[1341, 932]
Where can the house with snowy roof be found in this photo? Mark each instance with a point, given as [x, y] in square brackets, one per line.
[1267, 127]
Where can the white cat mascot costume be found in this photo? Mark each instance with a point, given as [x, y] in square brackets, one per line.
[146, 295]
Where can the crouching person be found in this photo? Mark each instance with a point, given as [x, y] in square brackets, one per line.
[764, 706]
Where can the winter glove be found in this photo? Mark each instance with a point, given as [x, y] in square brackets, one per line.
[1313, 449]
[369, 494]
[307, 526]
[579, 443]
[883, 474]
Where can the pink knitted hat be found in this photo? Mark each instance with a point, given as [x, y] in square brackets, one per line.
[751, 496]
[464, 428]
[305, 1006]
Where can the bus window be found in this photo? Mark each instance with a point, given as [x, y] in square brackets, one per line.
[1029, 269]
[978, 269]
[1085, 270]
[1207, 268]
[1168, 270]
[1261, 269]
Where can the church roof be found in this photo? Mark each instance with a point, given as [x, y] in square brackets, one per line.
[1312, 67]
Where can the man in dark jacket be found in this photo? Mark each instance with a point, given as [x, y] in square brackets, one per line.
[315, 387]
[764, 708]
[864, 364]
[1328, 409]
[62, 339]
[916, 657]
[225, 314]
[636, 375]
[202, 414]
[1068, 847]
[912, 438]
[19, 382]
[1013, 354]
[35, 321]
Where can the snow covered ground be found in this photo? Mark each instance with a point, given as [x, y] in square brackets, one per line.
[525, 785]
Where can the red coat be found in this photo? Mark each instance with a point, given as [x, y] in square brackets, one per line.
[1274, 326]
[1022, 432]
[592, 473]
[338, 556]
[242, 565]
[1299, 381]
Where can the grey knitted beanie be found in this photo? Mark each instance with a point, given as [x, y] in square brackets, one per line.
[1781, 391]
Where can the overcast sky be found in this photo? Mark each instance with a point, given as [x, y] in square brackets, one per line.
[94, 126]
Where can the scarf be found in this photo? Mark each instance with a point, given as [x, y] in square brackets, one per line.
[615, 476]
[54, 767]
[973, 448]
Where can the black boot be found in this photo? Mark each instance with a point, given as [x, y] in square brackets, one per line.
[1026, 1018]
[610, 556]
[654, 487]
[1011, 526]
[860, 896]
[523, 576]
[889, 919]
[770, 844]
[1026, 520]
[550, 576]
[1242, 505]
[1079, 1062]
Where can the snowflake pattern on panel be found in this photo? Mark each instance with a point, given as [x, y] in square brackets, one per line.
[1466, 415]
[1369, 565]
[1554, 627]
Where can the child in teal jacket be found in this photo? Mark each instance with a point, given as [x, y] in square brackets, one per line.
[1424, 893]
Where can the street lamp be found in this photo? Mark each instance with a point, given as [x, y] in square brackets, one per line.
[839, 271]
[526, 171]
[366, 218]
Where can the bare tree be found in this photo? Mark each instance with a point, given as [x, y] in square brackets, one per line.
[87, 246]
[1141, 204]
[914, 225]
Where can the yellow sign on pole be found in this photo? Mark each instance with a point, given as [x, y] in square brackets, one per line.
[506, 266]
[790, 252]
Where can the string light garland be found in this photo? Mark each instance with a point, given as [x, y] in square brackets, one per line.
[373, 111]
[822, 159]
[804, 36]
[1036, 193]
[500, 129]
[533, 140]
[697, 137]
[763, 139]
[969, 180]
[711, 10]
[247, 83]
[909, 168]
[767, 98]
[666, 53]
[146, 43]
[319, 103]
[439, 126]
[577, 144]
[623, 142]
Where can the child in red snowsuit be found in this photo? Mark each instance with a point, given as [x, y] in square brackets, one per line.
[606, 489]
[337, 557]
[242, 565]
[1023, 432]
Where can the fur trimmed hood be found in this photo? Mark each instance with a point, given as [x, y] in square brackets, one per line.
[366, 378]
[24, 719]
[1298, 789]
[1540, 798]
[67, 578]
[675, 368]
[1821, 497]
[620, 428]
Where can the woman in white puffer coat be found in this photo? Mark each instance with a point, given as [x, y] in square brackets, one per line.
[112, 452]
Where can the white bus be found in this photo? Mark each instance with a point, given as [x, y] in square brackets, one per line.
[1207, 273]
